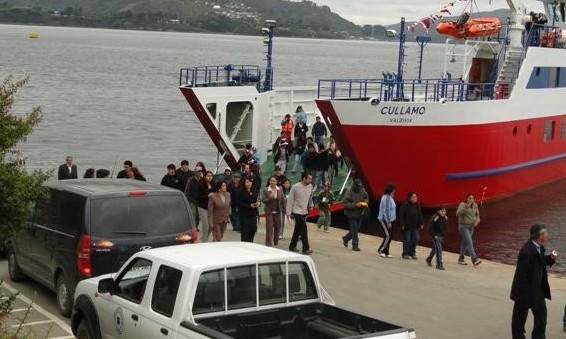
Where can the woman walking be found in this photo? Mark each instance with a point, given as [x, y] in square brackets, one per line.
[286, 186]
[355, 205]
[219, 208]
[204, 190]
[386, 217]
[247, 206]
[274, 200]
[468, 215]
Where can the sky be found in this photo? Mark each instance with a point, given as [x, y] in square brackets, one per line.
[390, 11]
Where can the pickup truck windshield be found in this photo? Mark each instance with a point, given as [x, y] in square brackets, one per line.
[139, 216]
[273, 283]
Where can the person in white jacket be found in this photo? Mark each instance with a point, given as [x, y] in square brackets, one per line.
[387, 215]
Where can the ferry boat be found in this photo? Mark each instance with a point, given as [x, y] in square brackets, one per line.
[498, 129]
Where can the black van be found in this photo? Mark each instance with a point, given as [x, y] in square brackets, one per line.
[89, 227]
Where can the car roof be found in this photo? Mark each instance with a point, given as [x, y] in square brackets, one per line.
[210, 255]
[89, 187]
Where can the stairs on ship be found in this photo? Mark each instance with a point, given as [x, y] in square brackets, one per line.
[509, 71]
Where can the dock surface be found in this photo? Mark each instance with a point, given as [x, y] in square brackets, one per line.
[463, 302]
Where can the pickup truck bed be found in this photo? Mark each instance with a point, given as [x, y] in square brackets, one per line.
[312, 321]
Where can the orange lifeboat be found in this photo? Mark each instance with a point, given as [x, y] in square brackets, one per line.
[473, 28]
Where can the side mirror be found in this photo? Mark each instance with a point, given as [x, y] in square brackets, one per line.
[106, 286]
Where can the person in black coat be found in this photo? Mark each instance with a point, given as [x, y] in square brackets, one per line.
[411, 221]
[247, 206]
[68, 170]
[437, 229]
[172, 179]
[123, 174]
[530, 284]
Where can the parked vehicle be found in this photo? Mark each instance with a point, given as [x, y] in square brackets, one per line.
[89, 227]
[217, 290]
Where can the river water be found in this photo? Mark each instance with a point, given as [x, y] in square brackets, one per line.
[109, 94]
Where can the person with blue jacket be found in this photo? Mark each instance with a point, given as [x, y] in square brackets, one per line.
[387, 215]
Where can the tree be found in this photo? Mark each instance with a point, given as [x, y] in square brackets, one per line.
[18, 188]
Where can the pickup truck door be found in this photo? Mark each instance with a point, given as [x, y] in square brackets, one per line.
[165, 306]
[120, 312]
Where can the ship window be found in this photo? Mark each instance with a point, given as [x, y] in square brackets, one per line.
[547, 77]
[549, 131]
[211, 108]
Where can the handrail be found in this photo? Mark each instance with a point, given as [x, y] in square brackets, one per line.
[415, 90]
[220, 75]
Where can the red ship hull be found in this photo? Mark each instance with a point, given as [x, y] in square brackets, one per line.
[444, 163]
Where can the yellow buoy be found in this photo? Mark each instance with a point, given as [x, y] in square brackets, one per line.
[33, 35]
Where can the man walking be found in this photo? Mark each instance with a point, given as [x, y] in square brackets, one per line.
[172, 179]
[68, 170]
[411, 221]
[319, 131]
[298, 203]
[355, 206]
[530, 284]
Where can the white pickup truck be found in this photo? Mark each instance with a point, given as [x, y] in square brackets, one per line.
[217, 290]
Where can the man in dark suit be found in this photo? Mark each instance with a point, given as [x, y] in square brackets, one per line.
[530, 285]
[68, 170]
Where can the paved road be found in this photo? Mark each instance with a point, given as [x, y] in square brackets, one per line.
[35, 310]
[461, 302]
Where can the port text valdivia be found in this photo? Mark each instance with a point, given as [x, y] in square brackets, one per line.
[399, 110]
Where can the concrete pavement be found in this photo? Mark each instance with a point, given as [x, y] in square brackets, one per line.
[463, 302]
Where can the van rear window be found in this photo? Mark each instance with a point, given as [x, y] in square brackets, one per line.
[139, 216]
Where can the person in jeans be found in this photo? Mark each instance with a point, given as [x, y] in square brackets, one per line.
[319, 131]
[411, 221]
[355, 205]
[468, 215]
[437, 229]
[298, 204]
[274, 200]
[386, 217]
[325, 199]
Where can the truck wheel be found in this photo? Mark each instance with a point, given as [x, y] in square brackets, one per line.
[84, 331]
[14, 270]
[64, 296]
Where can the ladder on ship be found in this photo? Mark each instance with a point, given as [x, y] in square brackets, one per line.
[247, 109]
[509, 70]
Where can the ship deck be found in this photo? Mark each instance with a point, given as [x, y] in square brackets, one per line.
[462, 302]
[338, 182]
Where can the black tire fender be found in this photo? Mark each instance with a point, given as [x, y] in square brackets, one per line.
[84, 309]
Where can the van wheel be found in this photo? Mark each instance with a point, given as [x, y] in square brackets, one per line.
[64, 296]
[14, 270]
[84, 331]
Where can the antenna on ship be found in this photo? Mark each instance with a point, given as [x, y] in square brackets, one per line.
[401, 61]
[267, 31]
[422, 41]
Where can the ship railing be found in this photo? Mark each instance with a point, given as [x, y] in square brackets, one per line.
[424, 90]
[220, 75]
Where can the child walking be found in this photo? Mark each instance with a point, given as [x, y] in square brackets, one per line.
[437, 229]
[325, 199]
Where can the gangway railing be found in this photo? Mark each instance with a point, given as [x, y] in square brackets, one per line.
[414, 90]
[220, 75]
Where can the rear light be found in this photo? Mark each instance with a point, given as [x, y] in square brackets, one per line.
[137, 193]
[104, 243]
[183, 237]
[83, 256]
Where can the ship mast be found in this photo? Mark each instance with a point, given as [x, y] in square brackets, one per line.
[517, 15]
